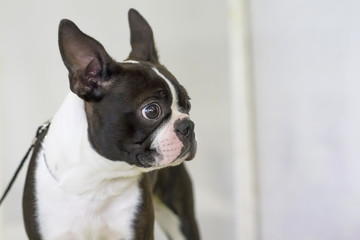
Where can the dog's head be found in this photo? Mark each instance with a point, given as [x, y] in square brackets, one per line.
[136, 110]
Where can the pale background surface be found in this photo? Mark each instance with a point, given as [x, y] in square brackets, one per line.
[306, 78]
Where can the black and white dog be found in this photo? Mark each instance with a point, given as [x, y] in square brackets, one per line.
[112, 159]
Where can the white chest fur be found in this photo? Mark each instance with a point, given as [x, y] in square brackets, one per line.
[81, 195]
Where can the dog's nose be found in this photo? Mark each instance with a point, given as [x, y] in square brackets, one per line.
[185, 127]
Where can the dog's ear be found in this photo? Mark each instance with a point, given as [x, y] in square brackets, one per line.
[89, 65]
[141, 38]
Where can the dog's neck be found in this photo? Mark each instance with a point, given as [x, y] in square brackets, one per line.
[77, 167]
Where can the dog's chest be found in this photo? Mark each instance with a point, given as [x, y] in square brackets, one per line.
[65, 216]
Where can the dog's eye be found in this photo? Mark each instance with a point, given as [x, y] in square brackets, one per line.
[151, 111]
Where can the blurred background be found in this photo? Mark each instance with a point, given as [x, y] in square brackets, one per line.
[275, 97]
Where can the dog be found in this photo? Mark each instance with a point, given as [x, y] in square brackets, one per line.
[112, 159]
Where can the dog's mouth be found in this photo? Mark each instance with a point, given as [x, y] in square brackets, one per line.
[161, 149]
[140, 142]
[148, 158]
[187, 153]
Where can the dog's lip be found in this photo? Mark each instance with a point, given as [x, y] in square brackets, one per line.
[191, 155]
[140, 142]
[143, 160]
[192, 151]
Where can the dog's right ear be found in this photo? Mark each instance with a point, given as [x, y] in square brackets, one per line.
[90, 67]
[141, 39]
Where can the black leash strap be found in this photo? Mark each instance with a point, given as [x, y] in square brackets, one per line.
[39, 131]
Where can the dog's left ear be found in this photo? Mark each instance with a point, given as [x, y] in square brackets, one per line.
[89, 65]
[141, 38]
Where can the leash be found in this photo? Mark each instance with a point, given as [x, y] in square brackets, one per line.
[39, 131]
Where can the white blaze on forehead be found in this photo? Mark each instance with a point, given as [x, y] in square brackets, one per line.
[130, 61]
[172, 89]
[171, 86]
[166, 141]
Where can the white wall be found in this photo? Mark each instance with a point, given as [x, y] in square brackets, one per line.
[307, 80]
[192, 42]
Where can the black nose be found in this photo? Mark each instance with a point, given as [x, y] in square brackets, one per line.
[184, 127]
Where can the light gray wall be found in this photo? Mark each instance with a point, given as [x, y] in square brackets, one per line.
[191, 39]
[307, 80]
